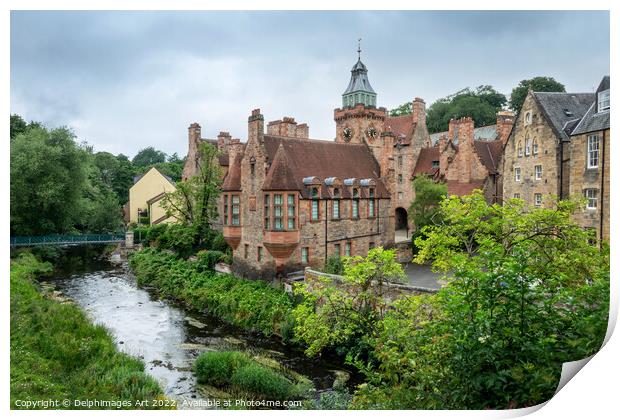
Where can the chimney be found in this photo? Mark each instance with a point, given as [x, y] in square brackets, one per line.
[235, 147]
[443, 154]
[418, 108]
[505, 121]
[256, 129]
[461, 130]
[223, 141]
[287, 127]
[194, 133]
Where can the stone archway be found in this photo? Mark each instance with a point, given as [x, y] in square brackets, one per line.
[401, 227]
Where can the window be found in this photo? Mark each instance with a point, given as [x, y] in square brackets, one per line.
[371, 203]
[252, 165]
[400, 178]
[538, 172]
[520, 150]
[400, 161]
[528, 118]
[535, 148]
[592, 195]
[266, 211]
[259, 254]
[528, 147]
[315, 210]
[538, 199]
[304, 255]
[337, 249]
[517, 195]
[603, 100]
[225, 209]
[518, 174]
[347, 249]
[291, 211]
[246, 249]
[235, 211]
[593, 145]
[277, 211]
[355, 204]
[336, 204]
[435, 164]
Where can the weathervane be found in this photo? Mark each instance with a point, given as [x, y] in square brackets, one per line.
[359, 48]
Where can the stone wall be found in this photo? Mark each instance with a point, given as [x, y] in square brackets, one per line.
[583, 178]
[548, 156]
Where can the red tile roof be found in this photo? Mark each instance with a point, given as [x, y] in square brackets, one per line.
[280, 176]
[424, 165]
[325, 159]
[401, 126]
[232, 182]
[489, 153]
[463, 188]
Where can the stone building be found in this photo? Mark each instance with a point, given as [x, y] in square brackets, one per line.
[289, 201]
[554, 138]
[589, 166]
[467, 158]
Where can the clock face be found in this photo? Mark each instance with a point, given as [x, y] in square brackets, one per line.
[372, 133]
[347, 133]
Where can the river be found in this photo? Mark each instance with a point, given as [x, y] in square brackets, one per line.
[165, 335]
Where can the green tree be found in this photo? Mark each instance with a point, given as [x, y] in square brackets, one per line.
[115, 172]
[403, 109]
[526, 292]
[482, 104]
[537, 84]
[425, 207]
[342, 315]
[195, 201]
[48, 174]
[148, 157]
[18, 125]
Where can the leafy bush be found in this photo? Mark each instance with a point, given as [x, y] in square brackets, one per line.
[334, 265]
[262, 382]
[217, 367]
[206, 260]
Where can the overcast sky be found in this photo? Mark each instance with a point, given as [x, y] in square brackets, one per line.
[127, 80]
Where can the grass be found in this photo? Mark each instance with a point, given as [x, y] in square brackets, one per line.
[57, 353]
[257, 377]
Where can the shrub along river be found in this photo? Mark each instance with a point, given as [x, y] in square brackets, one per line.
[163, 333]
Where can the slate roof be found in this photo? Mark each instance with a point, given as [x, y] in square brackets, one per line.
[560, 108]
[322, 159]
[592, 121]
[359, 79]
[487, 132]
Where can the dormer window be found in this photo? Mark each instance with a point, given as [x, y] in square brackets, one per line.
[435, 164]
[603, 100]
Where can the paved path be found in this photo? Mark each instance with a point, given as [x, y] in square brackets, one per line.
[421, 275]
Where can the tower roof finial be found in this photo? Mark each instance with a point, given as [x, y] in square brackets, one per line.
[359, 48]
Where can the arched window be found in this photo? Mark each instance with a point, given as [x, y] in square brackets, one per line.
[528, 118]
[528, 147]
[252, 165]
[535, 148]
[519, 149]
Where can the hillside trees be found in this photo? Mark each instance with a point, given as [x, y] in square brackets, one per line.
[537, 84]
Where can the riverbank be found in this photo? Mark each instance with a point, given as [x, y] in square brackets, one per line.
[252, 305]
[57, 354]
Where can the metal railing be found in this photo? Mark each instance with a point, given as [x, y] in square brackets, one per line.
[66, 239]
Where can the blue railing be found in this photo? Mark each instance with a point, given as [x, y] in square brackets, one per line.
[66, 239]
